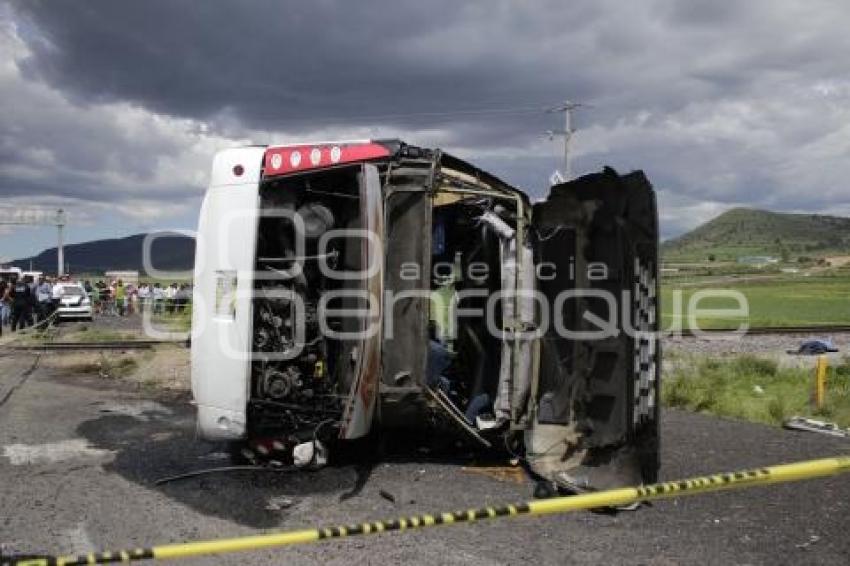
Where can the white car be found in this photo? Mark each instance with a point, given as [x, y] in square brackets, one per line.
[74, 302]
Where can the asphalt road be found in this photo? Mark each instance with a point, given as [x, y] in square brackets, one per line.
[79, 455]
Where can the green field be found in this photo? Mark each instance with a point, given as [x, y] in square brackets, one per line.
[782, 300]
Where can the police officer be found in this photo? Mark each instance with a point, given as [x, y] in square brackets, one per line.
[22, 303]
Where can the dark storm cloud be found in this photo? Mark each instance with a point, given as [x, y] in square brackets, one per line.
[291, 65]
[276, 64]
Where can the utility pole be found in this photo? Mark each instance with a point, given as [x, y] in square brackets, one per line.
[60, 247]
[567, 133]
[36, 217]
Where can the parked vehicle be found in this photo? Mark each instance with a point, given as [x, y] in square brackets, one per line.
[343, 289]
[74, 302]
[10, 273]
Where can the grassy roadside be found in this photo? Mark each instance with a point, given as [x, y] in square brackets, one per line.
[175, 322]
[755, 389]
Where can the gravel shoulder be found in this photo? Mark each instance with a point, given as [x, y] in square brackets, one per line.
[725, 344]
[682, 350]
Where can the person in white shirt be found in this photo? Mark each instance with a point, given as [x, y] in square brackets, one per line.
[43, 297]
[170, 293]
[144, 295]
[158, 297]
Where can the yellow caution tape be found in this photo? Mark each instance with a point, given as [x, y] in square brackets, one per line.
[610, 498]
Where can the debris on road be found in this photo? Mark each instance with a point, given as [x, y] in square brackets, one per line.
[143, 410]
[313, 454]
[217, 455]
[222, 469]
[814, 347]
[812, 425]
[812, 540]
[512, 474]
[279, 503]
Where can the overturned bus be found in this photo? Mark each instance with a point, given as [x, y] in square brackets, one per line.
[348, 288]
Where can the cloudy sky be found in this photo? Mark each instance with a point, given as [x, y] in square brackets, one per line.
[113, 109]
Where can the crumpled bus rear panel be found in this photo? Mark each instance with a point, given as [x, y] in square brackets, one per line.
[596, 419]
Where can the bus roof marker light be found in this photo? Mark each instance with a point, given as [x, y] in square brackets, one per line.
[290, 159]
[336, 154]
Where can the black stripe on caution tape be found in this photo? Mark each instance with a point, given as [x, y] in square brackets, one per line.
[425, 520]
[92, 558]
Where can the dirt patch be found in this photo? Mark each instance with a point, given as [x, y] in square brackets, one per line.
[838, 260]
[162, 368]
[104, 364]
[168, 368]
[88, 334]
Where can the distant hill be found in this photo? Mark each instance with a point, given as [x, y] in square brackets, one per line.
[750, 232]
[735, 233]
[172, 252]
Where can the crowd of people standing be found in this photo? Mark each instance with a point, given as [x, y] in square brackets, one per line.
[116, 298]
[26, 302]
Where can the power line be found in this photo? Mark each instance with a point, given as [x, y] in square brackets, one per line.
[536, 109]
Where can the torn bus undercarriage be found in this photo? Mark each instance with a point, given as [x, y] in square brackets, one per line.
[412, 291]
